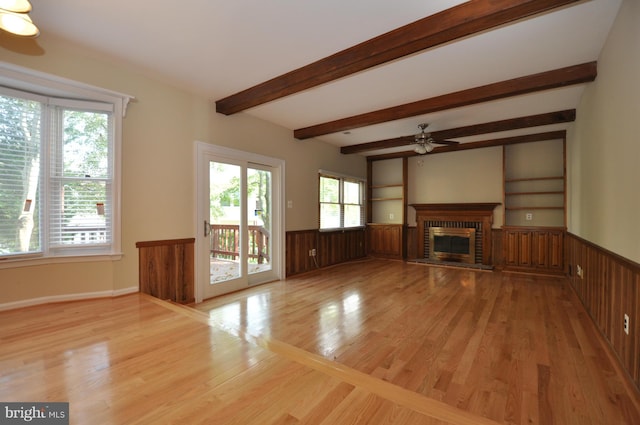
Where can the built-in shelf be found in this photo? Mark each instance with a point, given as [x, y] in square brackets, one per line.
[534, 184]
[525, 179]
[386, 207]
[534, 193]
[534, 208]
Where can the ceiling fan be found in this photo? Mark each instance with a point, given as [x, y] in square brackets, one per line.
[425, 143]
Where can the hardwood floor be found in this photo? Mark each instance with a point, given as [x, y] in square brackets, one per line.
[370, 342]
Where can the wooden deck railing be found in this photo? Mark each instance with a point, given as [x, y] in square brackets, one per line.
[225, 242]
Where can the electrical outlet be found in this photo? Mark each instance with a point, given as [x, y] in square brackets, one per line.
[626, 324]
[528, 216]
[391, 216]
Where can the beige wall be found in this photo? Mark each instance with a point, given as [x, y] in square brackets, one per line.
[158, 170]
[604, 148]
[465, 176]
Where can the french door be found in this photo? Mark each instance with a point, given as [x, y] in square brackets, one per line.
[240, 221]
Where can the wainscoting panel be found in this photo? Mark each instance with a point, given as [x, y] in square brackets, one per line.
[299, 243]
[385, 240]
[338, 247]
[330, 248]
[166, 269]
[609, 287]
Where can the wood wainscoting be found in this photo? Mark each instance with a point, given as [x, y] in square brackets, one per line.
[386, 240]
[166, 269]
[534, 249]
[609, 288]
[332, 247]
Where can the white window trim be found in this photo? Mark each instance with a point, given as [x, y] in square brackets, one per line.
[47, 85]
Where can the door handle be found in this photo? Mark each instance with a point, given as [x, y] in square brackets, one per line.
[207, 228]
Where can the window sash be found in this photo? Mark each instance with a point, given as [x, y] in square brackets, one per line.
[20, 174]
[79, 181]
[340, 214]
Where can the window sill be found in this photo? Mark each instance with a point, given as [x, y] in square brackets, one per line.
[341, 229]
[9, 263]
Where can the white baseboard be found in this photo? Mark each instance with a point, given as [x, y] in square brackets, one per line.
[67, 297]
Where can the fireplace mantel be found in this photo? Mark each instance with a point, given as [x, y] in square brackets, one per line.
[474, 207]
[478, 212]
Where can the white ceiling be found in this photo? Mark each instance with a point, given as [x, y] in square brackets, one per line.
[220, 47]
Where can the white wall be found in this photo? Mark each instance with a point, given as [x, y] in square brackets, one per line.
[604, 148]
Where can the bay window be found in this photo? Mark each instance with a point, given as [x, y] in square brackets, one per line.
[59, 188]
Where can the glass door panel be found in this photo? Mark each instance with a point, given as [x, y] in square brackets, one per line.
[225, 219]
[259, 216]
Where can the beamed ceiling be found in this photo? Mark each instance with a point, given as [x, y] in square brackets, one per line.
[363, 75]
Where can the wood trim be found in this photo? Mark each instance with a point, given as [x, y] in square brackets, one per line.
[405, 194]
[440, 28]
[608, 288]
[165, 242]
[551, 135]
[475, 208]
[557, 117]
[562, 77]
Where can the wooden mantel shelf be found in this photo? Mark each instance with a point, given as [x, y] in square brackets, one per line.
[466, 207]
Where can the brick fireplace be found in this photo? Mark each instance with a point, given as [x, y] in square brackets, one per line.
[459, 219]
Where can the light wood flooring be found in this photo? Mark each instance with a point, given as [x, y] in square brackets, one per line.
[375, 342]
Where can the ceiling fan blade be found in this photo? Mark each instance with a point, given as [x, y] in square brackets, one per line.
[446, 142]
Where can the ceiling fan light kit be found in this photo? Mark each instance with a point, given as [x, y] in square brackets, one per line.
[424, 141]
[15, 20]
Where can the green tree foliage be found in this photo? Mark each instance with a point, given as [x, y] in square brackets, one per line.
[19, 152]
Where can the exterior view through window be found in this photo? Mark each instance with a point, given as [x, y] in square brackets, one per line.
[55, 175]
[341, 202]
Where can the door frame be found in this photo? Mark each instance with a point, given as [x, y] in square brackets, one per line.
[202, 149]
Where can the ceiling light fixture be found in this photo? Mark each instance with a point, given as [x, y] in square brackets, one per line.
[14, 18]
[424, 141]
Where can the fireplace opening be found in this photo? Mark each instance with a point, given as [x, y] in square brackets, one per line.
[452, 244]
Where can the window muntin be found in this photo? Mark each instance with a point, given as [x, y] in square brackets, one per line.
[59, 197]
[341, 202]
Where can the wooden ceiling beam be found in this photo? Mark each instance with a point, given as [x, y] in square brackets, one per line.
[536, 137]
[576, 74]
[549, 118]
[457, 22]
